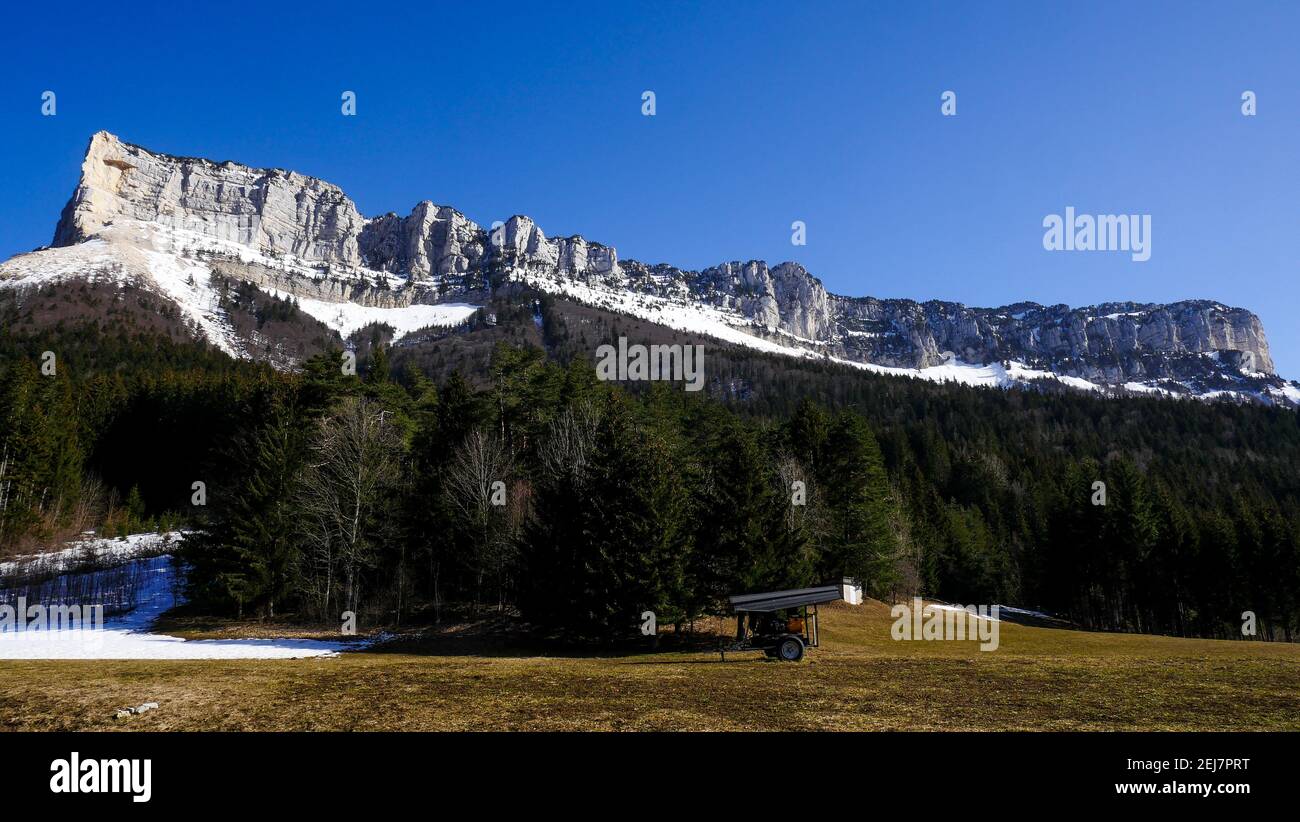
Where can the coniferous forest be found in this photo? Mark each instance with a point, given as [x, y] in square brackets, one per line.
[523, 484]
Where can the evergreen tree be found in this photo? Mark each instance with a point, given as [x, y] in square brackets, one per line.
[249, 553]
[739, 533]
[859, 542]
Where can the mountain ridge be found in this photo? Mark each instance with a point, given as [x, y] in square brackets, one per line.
[302, 236]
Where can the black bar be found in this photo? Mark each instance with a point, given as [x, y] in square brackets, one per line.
[304, 770]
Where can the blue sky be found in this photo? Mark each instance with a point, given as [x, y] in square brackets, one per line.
[767, 113]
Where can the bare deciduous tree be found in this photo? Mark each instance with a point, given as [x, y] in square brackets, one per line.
[566, 450]
[347, 488]
[489, 513]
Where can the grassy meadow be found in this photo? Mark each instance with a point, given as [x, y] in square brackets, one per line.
[859, 679]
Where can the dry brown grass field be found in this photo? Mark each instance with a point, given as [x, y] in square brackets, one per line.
[859, 679]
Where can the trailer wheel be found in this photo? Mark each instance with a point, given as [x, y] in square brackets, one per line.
[790, 649]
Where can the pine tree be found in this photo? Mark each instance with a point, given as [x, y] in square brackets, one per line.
[378, 373]
[859, 542]
[135, 510]
[248, 555]
[638, 531]
[739, 538]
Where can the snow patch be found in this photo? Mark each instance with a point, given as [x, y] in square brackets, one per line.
[346, 318]
[171, 263]
[132, 252]
[127, 636]
[102, 552]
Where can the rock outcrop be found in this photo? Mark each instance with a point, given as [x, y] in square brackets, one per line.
[432, 240]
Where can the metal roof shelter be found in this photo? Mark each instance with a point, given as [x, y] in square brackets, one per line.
[780, 600]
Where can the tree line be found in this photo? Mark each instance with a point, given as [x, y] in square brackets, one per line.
[534, 486]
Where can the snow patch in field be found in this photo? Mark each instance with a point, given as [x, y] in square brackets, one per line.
[1002, 609]
[938, 607]
[128, 636]
[1025, 612]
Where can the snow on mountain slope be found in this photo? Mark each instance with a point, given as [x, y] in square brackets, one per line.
[732, 328]
[346, 318]
[729, 326]
[176, 264]
[136, 253]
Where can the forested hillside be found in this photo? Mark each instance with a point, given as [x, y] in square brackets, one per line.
[378, 492]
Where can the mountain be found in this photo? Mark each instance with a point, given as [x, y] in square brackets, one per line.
[184, 229]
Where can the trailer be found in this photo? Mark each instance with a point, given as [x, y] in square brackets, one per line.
[783, 624]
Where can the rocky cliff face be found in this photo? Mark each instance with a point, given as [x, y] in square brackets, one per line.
[1111, 343]
[432, 240]
[436, 254]
[275, 211]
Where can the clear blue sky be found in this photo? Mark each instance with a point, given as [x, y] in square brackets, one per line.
[767, 113]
